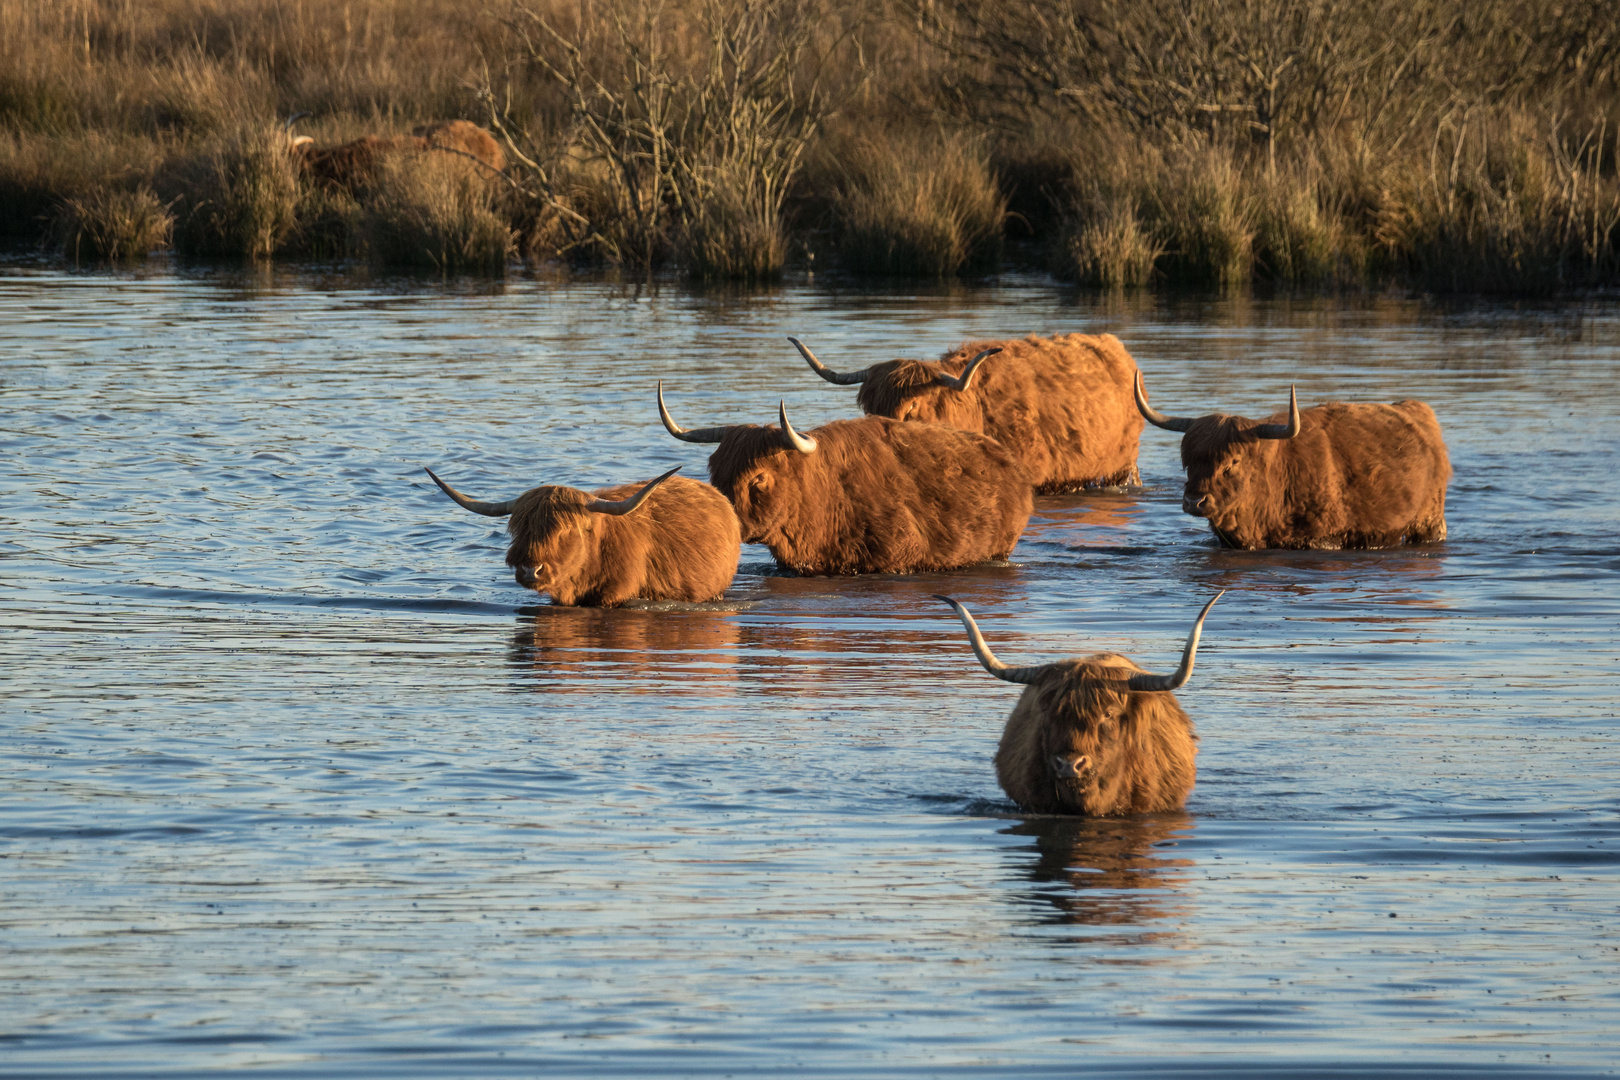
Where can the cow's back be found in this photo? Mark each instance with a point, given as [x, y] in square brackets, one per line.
[684, 540]
[1064, 404]
[1375, 474]
[884, 496]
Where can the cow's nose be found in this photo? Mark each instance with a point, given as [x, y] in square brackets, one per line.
[524, 575]
[1198, 506]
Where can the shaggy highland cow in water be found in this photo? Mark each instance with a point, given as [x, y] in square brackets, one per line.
[670, 539]
[1095, 735]
[1333, 476]
[1062, 404]
[868, 496]
[354, 164]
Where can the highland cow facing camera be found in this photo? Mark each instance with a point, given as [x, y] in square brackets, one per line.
[1095, 735]
[670, 539]
[868, 496]
[1357, 475]
[1062, 404]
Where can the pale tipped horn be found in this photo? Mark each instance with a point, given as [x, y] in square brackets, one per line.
[628, 506]
[1282, 431]
[488, 509]
[964, 380]
[294, 118]
[701, 435]
[802, 443]
[848, 378]
[1179, 679]
[995, 667]
[1154, 416]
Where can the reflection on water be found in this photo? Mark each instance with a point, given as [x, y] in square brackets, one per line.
[294, 778]
[595, 651]
[1109, 872]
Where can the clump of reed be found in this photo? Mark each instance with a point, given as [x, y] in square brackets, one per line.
[734, 231]
[1104, 241]
[114, 224]
[239, 196]
[436, 211]
[926, 207]
[1506, 207]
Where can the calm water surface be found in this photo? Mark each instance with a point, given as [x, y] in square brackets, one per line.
[295, 781]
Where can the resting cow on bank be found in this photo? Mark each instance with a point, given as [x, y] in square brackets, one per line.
[670, 539]
[1095, 735]
[1062, 404]
[868, 496]
[354, 164]
[1340, 475]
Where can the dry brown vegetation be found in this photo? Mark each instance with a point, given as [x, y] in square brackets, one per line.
[1452, 144]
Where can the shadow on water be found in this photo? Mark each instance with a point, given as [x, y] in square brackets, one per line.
[1105, 872]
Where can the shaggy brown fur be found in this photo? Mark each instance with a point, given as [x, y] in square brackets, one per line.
[1063, 404]
[1080, 741]
[354, 164]
[876, 497]
[1356, 476]
[681, 544]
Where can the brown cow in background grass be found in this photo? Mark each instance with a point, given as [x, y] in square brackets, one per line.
[354, 164]
[597, 550]
[1095, 735]
[1063, 404]
[1339, 475]
[868, 496]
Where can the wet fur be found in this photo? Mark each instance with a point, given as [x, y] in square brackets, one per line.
[1063, 404]
[354, 164]
[1356, 476]
[681, 544]
[877, 496]
[1141, 744]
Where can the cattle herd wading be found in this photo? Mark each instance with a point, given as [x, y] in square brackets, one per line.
[940, 475]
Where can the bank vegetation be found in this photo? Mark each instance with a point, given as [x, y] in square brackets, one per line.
[1445, 145]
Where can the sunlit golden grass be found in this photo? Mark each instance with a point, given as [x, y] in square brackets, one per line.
[925, 206]
[115, 225]
[437, 212]
[1486, 163]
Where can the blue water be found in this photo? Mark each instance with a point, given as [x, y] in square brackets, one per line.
[295, 781]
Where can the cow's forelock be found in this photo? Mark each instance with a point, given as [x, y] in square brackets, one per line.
[548, 526]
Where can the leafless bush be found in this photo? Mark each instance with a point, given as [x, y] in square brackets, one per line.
[688, 111]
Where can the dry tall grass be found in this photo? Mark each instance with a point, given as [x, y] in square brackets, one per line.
[1452, 144]
[114, 225]
[438, 212]
[924, 206]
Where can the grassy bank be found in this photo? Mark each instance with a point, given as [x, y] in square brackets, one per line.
[1447, 145]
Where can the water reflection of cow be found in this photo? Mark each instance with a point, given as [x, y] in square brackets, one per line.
[1106, 872]
[682, 652]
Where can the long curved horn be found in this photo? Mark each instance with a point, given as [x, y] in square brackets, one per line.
[488, 509]
[1179, 679]
[802, 443]
[1154, 416]
[849, 378]
[1282, 431]
[964, 380]
[294, 118]
[995, 667]
[701, 435]
[628, 506]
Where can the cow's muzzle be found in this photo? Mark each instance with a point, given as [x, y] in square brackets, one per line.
[1197, 505]
[528, 576]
